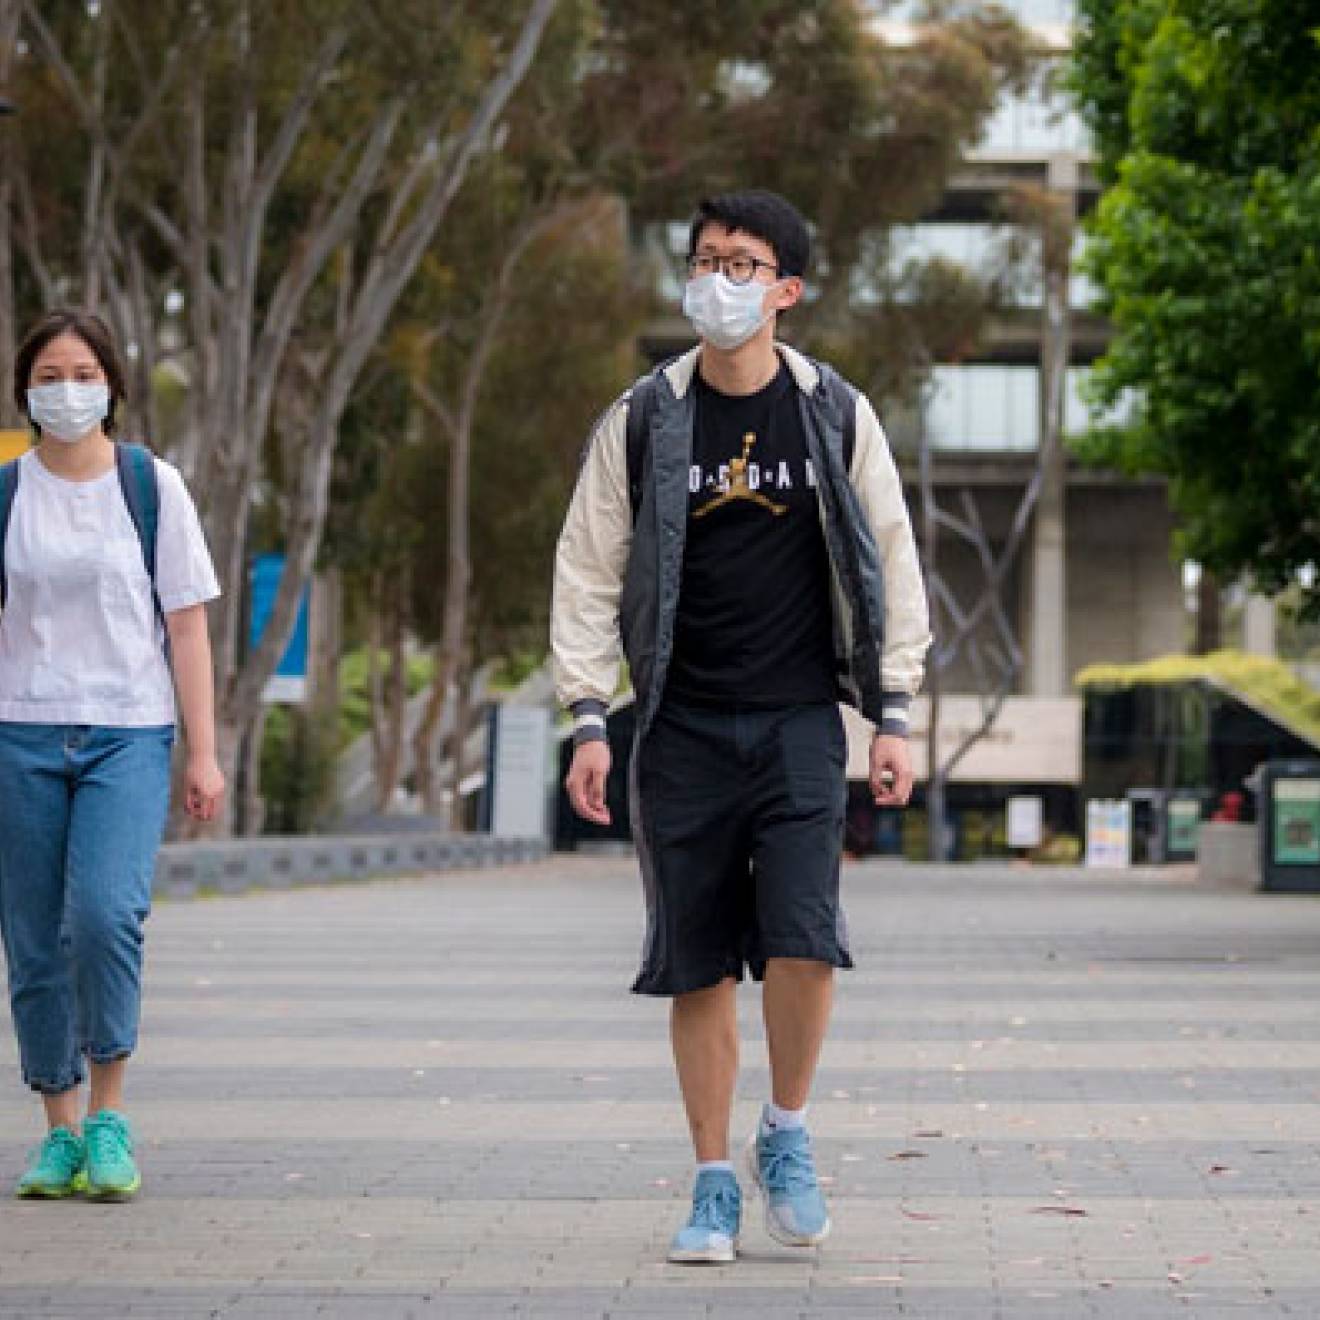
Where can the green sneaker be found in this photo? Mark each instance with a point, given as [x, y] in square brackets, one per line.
[57, 1168]
[111, 1173]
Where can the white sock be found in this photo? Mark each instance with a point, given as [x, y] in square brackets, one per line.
[774, 1119]
[723, 1166]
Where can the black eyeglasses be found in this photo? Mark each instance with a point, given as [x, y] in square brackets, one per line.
[738, 269]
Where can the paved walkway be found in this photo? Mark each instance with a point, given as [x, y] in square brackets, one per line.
[1046, 1095]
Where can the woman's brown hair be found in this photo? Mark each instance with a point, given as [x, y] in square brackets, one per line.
[93, 332]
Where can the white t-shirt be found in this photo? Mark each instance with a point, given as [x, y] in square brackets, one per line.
[79, 639]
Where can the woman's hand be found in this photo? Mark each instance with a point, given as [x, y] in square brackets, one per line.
[204, 786]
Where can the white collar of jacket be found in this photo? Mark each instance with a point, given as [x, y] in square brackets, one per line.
[680, 371]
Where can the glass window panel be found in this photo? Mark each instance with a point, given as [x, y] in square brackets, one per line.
[985, 409]
[1025, 11]
[944, 409]
[986, 418]
[1024, 408]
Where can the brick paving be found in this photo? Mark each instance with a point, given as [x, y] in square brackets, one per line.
[1047, 1095]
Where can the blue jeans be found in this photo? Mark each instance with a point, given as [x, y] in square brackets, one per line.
[82, 812]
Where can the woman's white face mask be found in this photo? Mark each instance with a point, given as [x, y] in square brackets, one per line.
[67, 410]
[723, 313]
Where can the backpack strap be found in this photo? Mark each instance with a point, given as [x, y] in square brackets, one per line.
[844, 398]
[141, 488]
[641, 405]
[8, 489]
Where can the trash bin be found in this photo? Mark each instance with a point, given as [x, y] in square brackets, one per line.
[1288, 798]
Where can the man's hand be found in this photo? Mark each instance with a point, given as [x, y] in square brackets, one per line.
[891, 771]
[586, 781]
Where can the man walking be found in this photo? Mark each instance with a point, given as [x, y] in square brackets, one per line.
[738, 529]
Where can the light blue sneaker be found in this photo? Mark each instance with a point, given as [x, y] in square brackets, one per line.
[111, 1173]
[56, 1170]
[784, 1171]
[710, 1236]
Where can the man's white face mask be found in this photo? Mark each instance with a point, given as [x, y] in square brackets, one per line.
[723, 313]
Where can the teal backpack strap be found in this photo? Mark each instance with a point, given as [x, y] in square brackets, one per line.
[8, 489]
[141, 489]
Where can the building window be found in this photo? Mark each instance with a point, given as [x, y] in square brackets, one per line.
[1033, 124]
[1031, 13]
[981, 249]
[983, 408]
[990, 409]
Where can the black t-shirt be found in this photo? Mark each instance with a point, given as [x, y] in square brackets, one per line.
[754, 625]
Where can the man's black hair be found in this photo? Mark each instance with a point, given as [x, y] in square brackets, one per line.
[762, 214]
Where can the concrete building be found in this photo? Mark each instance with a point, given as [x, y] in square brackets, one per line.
[1095, 579]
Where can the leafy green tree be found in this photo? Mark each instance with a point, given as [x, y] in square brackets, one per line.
[659, 104]
[1205, 243]
[264, 196]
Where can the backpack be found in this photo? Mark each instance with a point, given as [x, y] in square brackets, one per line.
[141, 491]
[641, 405]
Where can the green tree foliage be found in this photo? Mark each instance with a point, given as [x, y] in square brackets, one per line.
[1207, 247]
[541, 393]
[237, 183]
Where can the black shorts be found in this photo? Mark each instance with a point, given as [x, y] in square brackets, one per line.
[738, 820]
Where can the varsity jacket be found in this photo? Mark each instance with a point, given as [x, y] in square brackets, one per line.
[618, 575]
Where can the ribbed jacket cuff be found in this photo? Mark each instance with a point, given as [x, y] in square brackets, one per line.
[895, 709]
[588, 721]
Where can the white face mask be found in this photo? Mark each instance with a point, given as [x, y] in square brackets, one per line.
[723, 313]
[68, 410]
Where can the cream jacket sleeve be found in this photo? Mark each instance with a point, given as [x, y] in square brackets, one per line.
[590, 561]
[880, 489]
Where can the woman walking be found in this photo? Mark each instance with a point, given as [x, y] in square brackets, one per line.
[104, 576]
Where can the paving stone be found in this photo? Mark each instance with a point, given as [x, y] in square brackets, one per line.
[435, 1098]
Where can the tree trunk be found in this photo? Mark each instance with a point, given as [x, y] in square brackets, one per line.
[428, 787]
[460, 424]
[375, 683]
[252, 806]
[9, 416]
[935, 798]
[1209, 614]
[462, 728]
[389, 759]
